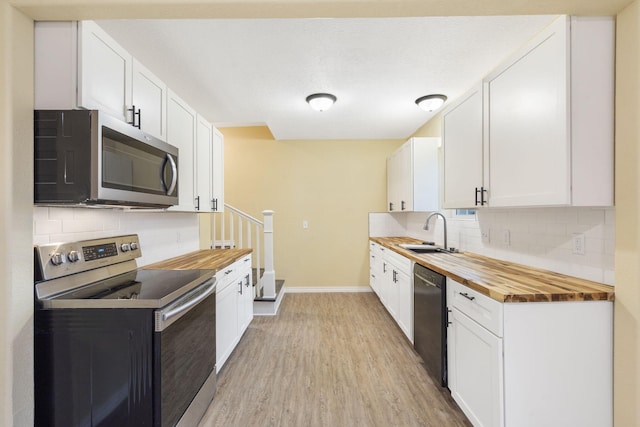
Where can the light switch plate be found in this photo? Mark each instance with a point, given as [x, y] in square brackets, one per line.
[486, 235]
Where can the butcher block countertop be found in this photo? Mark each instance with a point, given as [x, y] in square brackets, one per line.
[502, 280]
[204, 259]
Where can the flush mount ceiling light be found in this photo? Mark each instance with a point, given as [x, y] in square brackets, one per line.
[321, 101]
[431, 102]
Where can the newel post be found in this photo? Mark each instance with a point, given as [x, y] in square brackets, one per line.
[269, 277]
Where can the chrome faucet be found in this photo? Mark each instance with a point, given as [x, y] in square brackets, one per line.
[426, 226]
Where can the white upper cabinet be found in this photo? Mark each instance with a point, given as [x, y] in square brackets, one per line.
[204, 161]
[149, 101]
[538, 131]
[218, 171]
[550, 118]
[462, 139]
[181, 132]
[412, 176]
[104, 71]
[78, 65]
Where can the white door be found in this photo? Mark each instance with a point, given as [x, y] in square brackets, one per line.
[463, 157]
[528, 134]
[392, 183]
[226, 322]
[104, 72]
[204, 160]
[246, 300]
[217, 174]
[476, 365]
[404, 177]
[181, 132]
[149, 100]
[405, 303]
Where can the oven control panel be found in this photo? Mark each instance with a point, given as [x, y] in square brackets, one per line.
[61, 259]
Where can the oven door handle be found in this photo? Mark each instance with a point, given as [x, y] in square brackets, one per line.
[166, 318]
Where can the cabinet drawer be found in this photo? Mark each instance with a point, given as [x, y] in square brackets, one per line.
[484, 310]
[227, 275]
[400, 262]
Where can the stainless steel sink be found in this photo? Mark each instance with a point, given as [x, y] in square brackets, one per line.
[426, 248]
[420, 248]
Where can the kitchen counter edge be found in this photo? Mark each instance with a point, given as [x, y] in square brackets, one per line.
[203, 259]
[503, 281]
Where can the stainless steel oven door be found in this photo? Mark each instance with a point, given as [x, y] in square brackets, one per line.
[133, 166]
[185, 351]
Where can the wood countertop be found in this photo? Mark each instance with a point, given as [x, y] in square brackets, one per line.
[204, 259]
[502, 280]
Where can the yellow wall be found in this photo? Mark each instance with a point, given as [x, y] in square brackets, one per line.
[16, 88]
[432, 128]
[16, 186]
[627, 305]
[331, 184]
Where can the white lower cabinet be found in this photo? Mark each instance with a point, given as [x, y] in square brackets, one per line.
[391, 278]
[234, 307]
[528, 364]
[476, 376]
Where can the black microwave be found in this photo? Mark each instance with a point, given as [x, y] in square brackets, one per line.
[86, 157]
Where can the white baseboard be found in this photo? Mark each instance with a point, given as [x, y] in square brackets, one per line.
[331, 289]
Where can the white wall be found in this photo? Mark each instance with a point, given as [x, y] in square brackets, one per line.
[162, 234]
[539, 237]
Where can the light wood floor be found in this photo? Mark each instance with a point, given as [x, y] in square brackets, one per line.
[328, 360]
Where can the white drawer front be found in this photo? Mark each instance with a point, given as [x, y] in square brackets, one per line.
[400, 262]
[227, 275]
[484, 310]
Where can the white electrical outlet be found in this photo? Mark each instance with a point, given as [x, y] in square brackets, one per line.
[506, 237]
[305, 224]
[486, 235]
[578, 244]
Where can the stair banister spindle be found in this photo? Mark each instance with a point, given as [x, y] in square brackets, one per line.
[213, 230]
[258, 263]
[269, 276]
[223, 232]
[240, 243]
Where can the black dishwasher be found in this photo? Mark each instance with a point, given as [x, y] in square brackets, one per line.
[429, 316]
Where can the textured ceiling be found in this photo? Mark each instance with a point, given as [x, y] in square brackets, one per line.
[252, 72]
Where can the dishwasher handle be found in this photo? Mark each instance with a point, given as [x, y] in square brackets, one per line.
[426, 281]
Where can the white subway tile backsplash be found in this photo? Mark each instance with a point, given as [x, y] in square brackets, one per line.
[540, 237]
[45, 226]
[162, 234]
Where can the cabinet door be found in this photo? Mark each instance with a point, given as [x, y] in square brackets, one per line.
[386, 285]
[204, 163]
[404, 177]
[462, 131]
[217, 175]
[375, 268]
[528, 112]
[226, 322]
[149, 97]
[477, 375]
[245, 308]
[104, 72]
[405, 303]
[392, 184]
[181, 132]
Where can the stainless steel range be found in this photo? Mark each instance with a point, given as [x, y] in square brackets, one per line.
[120, 346]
